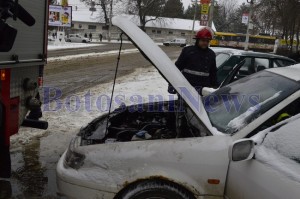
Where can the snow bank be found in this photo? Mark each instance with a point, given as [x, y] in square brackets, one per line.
[70, 57]
[67, 123]
[71, 45]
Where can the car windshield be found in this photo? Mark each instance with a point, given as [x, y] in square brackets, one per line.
[234, 106]
[221, 58]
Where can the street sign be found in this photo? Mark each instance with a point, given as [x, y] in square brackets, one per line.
[245, 18]
[204, 17]
[203, 23]
[205, 9]
[205, 1]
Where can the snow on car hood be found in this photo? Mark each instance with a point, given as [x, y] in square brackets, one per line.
[165, 66]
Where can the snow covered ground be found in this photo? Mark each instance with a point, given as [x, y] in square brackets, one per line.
[69, 45]
[66, 121]
[86, 55]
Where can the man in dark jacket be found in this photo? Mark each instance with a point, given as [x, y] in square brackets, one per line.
[198, 62]
[198, 65]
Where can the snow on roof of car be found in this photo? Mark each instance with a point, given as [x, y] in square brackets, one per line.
[291, 72]
[83, 14]
[247, 53]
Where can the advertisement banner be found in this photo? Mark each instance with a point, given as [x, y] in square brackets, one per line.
[60, 16]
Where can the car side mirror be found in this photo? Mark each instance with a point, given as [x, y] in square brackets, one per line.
[242, 150]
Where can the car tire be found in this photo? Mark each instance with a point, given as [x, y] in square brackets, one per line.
[155, 189]
[167, 44]
[83, 41]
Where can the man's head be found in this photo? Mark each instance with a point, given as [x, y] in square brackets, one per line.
[202, 43]
[203, 37]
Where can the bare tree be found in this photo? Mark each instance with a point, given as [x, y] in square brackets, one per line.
[225, 13]
[147, 10]
[280, 17]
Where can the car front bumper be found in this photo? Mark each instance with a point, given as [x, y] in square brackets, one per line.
[67, 187]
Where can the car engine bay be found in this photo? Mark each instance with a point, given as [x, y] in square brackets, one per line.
[154, 121]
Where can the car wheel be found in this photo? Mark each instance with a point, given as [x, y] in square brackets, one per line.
[84, 41]
[167, 44]
[155, 189]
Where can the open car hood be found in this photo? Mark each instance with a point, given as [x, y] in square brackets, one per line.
[165, 66]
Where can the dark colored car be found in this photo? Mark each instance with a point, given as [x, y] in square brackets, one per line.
[248, 62]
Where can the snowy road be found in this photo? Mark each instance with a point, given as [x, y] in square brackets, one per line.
[93, 48]
[35, 152]
[82, 73]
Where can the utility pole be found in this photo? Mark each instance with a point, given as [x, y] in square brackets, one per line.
[211, 13]
[248, 24]
[110, 20]
[195, 14]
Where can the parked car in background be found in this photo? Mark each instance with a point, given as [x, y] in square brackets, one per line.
[143, 152]
[176, 42]
[50, 38]
[76, 38]
[227, 59]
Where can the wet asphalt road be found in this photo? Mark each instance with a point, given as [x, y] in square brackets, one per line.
[34, 163]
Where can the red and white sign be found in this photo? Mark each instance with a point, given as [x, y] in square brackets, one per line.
[204, 17]
[205, 1]
[203, 23]
[245, 18]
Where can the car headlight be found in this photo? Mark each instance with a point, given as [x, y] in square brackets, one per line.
[73, 158]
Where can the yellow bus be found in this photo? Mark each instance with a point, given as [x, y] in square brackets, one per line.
[235, 40]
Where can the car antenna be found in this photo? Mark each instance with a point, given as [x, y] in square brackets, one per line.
[114, 84]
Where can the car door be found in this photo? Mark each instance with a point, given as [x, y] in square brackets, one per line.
[275, 171]
[247, 66]
[272, 174]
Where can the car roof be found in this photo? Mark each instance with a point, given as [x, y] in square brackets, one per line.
[291, 72]
[248, 53]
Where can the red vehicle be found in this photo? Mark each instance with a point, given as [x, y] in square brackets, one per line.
[23, 52]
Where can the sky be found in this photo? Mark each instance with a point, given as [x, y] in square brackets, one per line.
[186, 3]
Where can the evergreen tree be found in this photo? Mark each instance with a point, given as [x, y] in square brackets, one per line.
[173, 9]
[190, 12]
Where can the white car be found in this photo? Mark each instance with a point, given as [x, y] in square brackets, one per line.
[206, 153]
[176, 42]
[76, 38]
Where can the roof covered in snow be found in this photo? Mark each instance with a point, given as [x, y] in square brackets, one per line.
[82, 14]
